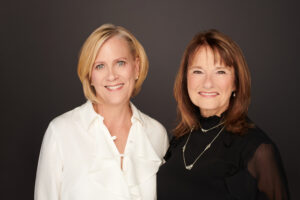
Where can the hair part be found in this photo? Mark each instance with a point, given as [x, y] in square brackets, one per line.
[225, 51]
[90, 50]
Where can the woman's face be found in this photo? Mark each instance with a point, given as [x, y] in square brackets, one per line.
[210, 83]
[114, 72]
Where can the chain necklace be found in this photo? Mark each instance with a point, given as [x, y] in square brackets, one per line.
[190, 166]
[206, 130]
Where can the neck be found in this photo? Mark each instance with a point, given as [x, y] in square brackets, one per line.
[114, 115]
[210, 113]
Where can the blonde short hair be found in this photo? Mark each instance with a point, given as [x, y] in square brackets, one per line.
[90, 50]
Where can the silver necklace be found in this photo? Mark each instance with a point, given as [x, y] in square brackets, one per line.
[206, 130]
[190, 166]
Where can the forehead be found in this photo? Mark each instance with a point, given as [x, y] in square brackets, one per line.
[116, 46]
[205, 54]
[115, 43]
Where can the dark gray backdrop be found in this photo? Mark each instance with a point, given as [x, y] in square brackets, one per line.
[40, 42]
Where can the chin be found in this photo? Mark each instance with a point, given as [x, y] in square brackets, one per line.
[207, 107]
[117, 100]
[204, 104]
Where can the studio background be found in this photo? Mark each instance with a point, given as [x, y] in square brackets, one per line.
[40, 43]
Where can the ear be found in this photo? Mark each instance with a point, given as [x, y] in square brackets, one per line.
[234, 85]
[234, 88]
[137, 67]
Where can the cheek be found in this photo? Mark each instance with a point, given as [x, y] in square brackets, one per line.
[96, 77]
[189, 84]
[93, 77]
[192, 85]
[227, 86]
[189, 80]
[192, 82]
[130, 74]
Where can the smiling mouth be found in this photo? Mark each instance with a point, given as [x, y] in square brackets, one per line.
[114, 87]
[208, 94]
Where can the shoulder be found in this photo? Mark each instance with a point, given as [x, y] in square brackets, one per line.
[67, 118]
[255, 136]
[150, 125]
[255, 140]
[155, 132]
[69, 121]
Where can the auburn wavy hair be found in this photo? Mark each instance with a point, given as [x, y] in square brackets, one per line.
[231, 55]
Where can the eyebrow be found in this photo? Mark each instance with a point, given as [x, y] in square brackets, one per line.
[200, 67]
[117, 59]
[99, 62]
[221, 67]
[195, 66]
[121, 58]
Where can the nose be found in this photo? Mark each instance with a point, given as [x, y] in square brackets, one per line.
[208, 83]
[112, 75]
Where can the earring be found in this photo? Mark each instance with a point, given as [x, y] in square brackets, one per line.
[233, 94]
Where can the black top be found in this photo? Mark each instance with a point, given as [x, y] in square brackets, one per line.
[234, 167]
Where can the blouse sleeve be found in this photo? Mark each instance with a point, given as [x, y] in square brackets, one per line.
[49, 170]
[266, 167]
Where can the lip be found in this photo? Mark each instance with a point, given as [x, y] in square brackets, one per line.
[114, 87]
[208, 94]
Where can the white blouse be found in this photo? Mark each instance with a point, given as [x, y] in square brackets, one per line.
[79, 160]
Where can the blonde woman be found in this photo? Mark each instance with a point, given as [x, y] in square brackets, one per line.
[105, 148]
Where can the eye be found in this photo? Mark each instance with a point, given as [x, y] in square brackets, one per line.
[197, 72]
[221, 72]
[99, 66]
[121, 63]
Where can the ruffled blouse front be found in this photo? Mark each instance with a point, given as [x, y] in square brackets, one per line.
[234, 167]
[79, 160]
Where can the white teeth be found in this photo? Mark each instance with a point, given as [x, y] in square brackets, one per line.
[114, 87]
[208, 94]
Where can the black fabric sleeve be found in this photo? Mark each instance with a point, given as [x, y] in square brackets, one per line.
[266, 167]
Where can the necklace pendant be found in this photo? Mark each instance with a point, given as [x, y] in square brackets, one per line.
[203, 130]
[189, 167]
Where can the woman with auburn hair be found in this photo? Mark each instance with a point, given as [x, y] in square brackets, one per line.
[217, 152]
[105, 148]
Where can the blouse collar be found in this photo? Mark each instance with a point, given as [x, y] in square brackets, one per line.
[208, 122]
[89, 115]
